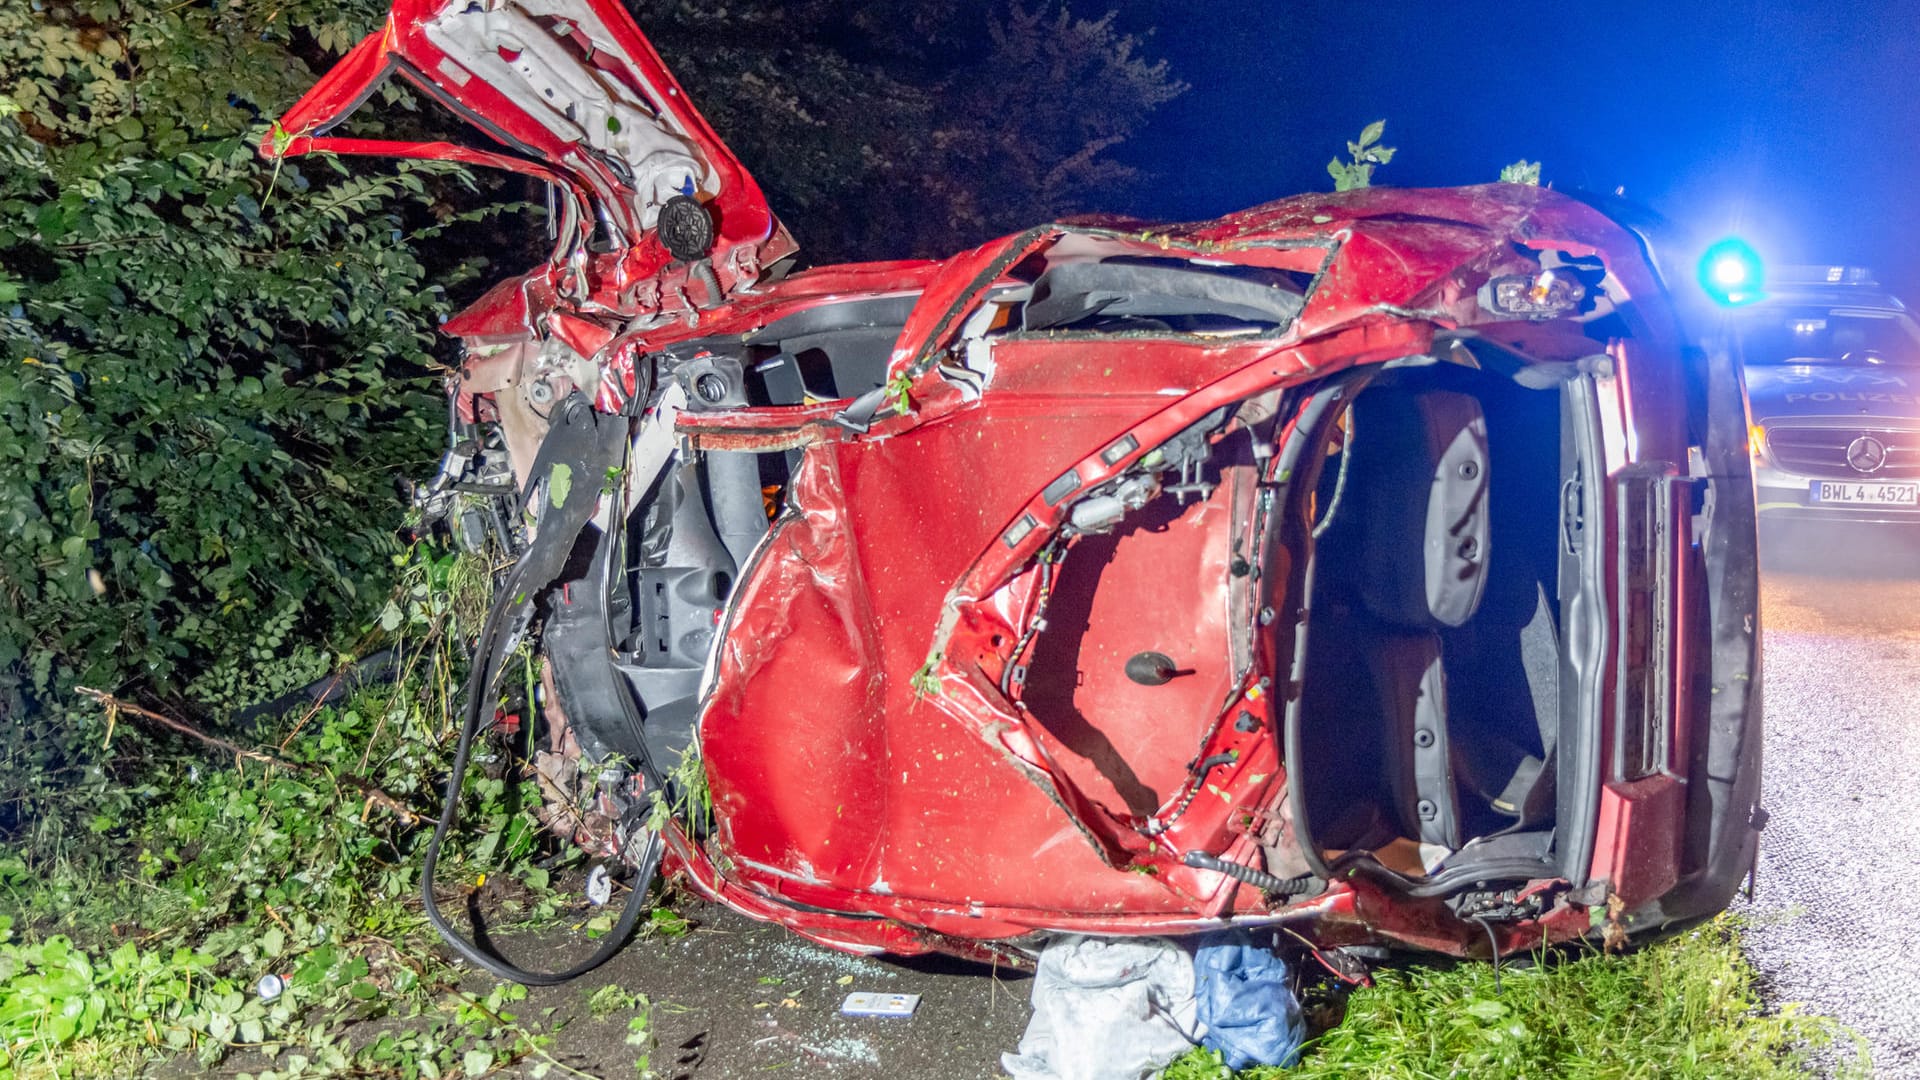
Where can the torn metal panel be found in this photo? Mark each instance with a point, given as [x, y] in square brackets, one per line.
[576, 96]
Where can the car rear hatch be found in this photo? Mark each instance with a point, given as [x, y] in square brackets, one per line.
[578, 97]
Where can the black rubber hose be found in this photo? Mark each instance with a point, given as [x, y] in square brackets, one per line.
[1259, 879]
[498, 965]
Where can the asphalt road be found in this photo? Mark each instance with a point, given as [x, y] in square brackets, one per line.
[1836, 917]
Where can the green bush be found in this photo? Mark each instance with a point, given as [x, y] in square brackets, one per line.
[207, 388]
[142, 934]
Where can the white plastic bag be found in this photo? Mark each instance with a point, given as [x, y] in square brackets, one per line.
[1106, 1009]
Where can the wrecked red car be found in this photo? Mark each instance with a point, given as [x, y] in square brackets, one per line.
[1380, 564]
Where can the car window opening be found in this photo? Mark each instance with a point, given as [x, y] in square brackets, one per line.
[1164, 295]
[1820, 335]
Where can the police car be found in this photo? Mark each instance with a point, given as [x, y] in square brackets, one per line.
[1832, 365]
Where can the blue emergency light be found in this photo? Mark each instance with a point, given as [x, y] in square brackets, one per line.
[1731, 273]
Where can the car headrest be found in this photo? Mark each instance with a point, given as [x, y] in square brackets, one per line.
[1419, 474]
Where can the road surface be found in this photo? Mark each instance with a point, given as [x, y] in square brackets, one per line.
[1836, 916]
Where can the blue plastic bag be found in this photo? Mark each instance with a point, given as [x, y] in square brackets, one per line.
[1247, 1010]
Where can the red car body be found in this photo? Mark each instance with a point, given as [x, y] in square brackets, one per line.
[1377, 563]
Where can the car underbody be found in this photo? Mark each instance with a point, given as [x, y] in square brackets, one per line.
[1378, 564]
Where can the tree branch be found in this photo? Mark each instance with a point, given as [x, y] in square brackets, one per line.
[374, 794]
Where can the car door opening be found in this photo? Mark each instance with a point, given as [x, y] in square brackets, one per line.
[1430, 711]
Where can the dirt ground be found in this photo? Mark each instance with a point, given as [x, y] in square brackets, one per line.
[736, 998]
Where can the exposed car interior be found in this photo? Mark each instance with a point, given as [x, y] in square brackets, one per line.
[1431, 701]
[828, 352]
[685, 550]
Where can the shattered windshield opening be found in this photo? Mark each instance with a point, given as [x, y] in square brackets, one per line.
[1818, 335]
[1157, 294]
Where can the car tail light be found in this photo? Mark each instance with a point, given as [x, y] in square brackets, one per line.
[1545, 295]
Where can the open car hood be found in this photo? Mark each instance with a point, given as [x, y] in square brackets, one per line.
[578, 97]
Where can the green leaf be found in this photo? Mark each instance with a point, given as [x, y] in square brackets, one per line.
[63, 1028]
[559, 484]
[899, 388]
[1365, 155]
[1521, 172]
[221, 1027]
[51, 220]
[1486, 1010]
[476, 1062]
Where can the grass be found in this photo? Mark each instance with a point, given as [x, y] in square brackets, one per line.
[1682, 1009]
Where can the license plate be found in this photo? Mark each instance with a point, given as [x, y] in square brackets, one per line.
[1864, 493]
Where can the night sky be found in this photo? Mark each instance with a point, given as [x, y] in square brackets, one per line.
[1793, 124]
